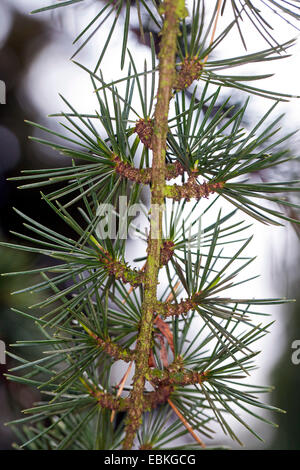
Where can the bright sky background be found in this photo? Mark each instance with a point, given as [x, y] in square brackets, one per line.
[53, 73]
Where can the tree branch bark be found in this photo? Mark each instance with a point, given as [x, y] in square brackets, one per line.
[172, 9]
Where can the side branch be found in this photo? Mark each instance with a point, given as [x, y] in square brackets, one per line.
[169, 377]
[144, 175]
[149, 400]
[112, 349]
[121, 270]
[192, 189]
[168, 309]
[109, 401]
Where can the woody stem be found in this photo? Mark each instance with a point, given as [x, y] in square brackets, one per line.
[143, 347]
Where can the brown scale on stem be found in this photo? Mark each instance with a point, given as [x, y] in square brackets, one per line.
[192, 189]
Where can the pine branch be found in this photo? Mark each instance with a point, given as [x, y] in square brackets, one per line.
[96, 308]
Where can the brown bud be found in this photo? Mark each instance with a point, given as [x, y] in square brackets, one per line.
[190, 70]
[166, 252]
[144, 129]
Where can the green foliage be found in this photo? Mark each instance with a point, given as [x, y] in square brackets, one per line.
[90, 316]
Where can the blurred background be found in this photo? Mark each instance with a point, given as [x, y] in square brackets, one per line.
[35, 66]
